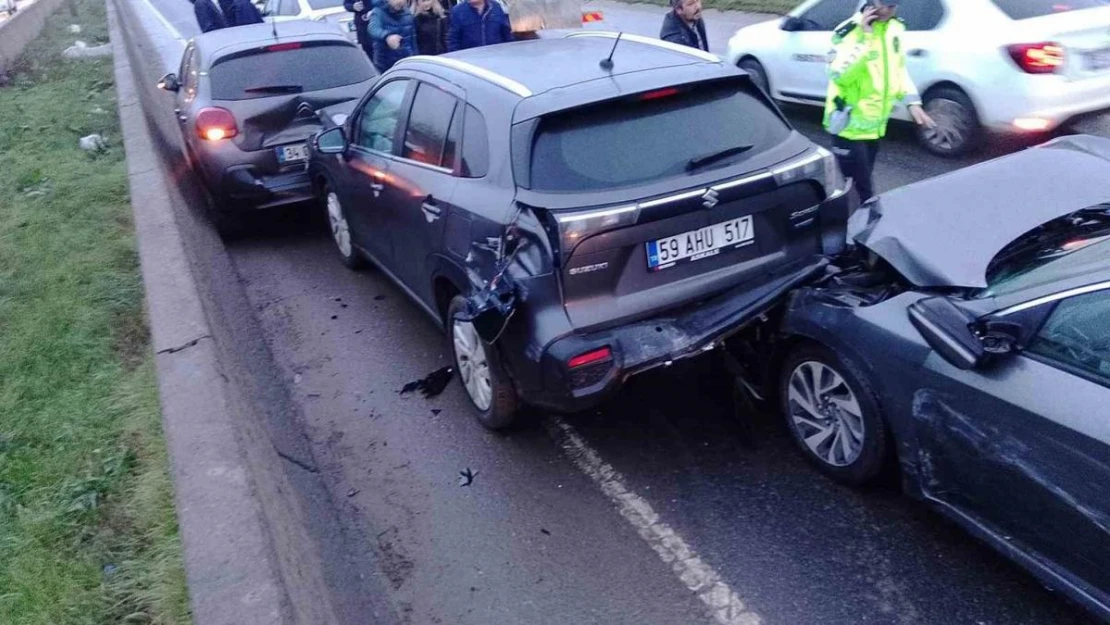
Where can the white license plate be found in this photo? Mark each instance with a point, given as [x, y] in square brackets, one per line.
[1097, 60]
[291, 154]
[699, 244]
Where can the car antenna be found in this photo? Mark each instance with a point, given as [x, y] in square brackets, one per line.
[607, 63]
[273, 20]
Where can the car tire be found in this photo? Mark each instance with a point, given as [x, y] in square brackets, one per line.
[958, 129]
[479, 368]
[758, 73]
[340, 229]
[822, 394]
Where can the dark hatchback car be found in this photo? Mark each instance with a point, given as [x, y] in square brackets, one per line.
[970, 347]
[247, 102]
[571, 222]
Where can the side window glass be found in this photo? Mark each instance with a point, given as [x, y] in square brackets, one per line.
[921, 14]
[829, 14]
[475, 145]
[1077, 335]
[377, 123]
[289, 8]
[429, 120]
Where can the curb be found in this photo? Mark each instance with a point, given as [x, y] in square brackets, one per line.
[230, 567]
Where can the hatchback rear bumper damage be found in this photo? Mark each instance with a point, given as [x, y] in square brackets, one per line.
[243, 184]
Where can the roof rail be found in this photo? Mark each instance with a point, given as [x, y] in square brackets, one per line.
[651, 41]
[507, 84]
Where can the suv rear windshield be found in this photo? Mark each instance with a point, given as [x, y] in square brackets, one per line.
[1025, 9]
[650, 136]
[267, 73]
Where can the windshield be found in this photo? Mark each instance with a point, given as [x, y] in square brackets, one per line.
[1054, 250]
[1026, 9]
[663, 133]
[289, 70]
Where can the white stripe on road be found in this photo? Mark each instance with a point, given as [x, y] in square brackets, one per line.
[695, 574]
[165, 22]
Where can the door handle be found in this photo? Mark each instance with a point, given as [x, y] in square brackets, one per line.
[431, 212]
[918, 53]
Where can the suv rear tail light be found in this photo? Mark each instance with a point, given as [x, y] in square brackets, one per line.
[819, 165]
[1038, 58]
[214, 124]
[590, 358]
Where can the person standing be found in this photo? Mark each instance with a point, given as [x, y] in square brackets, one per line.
[361, 9]
[683, 25]
[431, 27]
[209, 14]
[867, 77]
[239, 12]
[392, 34]
[476, 23]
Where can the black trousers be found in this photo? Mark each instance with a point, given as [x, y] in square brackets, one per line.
[857, 161]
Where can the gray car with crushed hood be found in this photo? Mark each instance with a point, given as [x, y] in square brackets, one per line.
[247, 100]
[966, 342]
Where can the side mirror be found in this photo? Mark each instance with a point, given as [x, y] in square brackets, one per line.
[169, 83]
[792, 24]
[947, 329]
[331, 141]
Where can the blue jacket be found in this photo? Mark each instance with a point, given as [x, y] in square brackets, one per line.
[471, 30]
[209, 17]
[385, 22]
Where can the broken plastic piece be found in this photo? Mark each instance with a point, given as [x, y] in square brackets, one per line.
[432, 385]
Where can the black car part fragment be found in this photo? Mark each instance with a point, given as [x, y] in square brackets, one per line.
[493, 303]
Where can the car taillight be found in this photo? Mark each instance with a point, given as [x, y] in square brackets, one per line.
[1038, 58]
[659, 94]
[598, 355]
[281, 47]
[214, 124]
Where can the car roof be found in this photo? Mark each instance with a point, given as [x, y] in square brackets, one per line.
[529, 68]
[225, 41]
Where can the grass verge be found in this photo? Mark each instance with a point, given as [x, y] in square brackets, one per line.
[778, 7]
[88, 533]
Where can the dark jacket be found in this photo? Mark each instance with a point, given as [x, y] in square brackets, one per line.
[362, 19]
[209, 18]
[240, 12]
[676, 30]
[470, 30]
[385, 22]
[431, 33]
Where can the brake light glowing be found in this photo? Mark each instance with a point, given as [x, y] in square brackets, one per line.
[659, 93]
[589, 358]
[215, 124]
[281, 47]
[1038, 58]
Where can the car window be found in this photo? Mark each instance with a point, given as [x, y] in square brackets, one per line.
[829, 14]
[378, 120]
[286, 8]
[287, 68]
[921, 14]
[1077, 335]
[475, 153]
[1025, 9]
[646, 137]
[429, 122]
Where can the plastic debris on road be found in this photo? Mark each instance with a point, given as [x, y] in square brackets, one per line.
[466, 478]
[93, 143]
[82, 50]
[432, 385]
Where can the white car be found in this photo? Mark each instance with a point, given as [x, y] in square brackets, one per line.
[1014, 66]
[316, 10]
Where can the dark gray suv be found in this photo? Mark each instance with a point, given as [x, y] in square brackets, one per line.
[575, 211]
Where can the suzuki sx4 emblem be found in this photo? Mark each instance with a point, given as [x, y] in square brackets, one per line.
[709, 200]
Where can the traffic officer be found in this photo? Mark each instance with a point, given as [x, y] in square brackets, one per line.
[867, 77]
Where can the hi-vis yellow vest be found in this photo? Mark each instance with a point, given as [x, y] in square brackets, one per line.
[868, 71]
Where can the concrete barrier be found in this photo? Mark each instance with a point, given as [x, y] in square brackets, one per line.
[21, 29]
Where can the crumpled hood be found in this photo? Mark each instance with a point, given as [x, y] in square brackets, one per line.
[944, 232]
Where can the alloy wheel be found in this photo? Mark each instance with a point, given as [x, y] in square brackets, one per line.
[954, 126]
[826, 414]
[472, 364]
[340, 231]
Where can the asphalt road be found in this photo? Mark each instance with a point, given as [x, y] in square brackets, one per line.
[562, 521]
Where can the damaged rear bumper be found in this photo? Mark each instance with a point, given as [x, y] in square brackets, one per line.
[244, 185]
[645, 345]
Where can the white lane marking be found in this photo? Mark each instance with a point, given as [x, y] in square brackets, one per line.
[162, 18]
[695, 574]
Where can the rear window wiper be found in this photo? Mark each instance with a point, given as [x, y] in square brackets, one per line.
[701, 161]
[275, 89]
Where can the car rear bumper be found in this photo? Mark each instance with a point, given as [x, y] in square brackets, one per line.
[243, 185]
[657, 342]
[1053, 99]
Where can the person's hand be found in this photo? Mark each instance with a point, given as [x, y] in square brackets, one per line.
[870, 14]
[359, 6]
[921, 117]
[393, 41]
